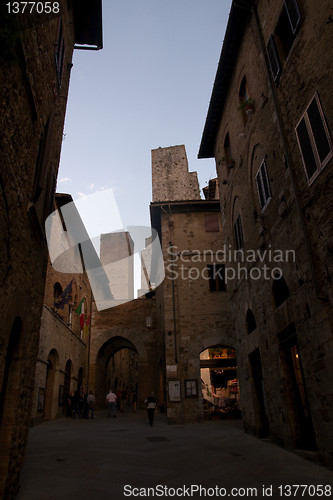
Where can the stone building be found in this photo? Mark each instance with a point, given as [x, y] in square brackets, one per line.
[62, 362]
[192, 305]
[269, 128]
[36, 61]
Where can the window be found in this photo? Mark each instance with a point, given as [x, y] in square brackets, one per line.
[57, 290]
[227, 152]
[216, 277]
[264, 190]
[280, 290]
[314, 140]
[238, 233]
[250, 321]
[273, 58]
[280, 43]
[211, 223]
[293, 13]
[60, 53]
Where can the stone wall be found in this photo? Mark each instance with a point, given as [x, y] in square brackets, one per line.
[296, 219]
[59, 347]
[31, 123]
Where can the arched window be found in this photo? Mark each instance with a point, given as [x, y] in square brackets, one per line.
[280, 290]
[250, 321]
[57, 290]
[227, 152]
[245, 101]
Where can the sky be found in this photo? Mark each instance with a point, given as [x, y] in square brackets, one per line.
[149, 87]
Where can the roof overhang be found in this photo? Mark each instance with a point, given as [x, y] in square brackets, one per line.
[238, 18]
[88, 24]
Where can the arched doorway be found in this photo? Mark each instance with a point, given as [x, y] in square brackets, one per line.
[51, 392]
[116, 369]
[219, 381]
[68, 375]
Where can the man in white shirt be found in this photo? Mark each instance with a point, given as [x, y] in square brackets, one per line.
[111, 401]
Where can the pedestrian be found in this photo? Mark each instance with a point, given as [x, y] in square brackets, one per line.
[134, 400]
[111, 402]
[91, 400]
[151, 405]
[75, 404]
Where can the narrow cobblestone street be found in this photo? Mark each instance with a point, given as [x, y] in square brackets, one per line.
[85, 459]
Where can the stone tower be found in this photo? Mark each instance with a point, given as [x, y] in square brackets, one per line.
[171, 179]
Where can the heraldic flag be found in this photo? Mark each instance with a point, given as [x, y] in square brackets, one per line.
[65, 297]
[80, 310]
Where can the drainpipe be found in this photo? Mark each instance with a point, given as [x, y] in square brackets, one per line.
[287, 156]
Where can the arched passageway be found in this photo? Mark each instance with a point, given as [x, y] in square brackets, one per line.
[220, 389]
[116, 369]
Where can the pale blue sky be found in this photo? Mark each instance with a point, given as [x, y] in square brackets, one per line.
[148, 87]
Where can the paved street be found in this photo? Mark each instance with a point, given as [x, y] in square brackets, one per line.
[96, 459]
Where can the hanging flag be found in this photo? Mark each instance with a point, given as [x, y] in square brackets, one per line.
[80, 310]
[64, 298]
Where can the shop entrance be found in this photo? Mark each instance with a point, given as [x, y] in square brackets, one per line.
[220, 391]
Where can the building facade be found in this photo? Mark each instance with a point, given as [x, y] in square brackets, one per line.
[269, 129]
[192, 301]
[36, 61]
[62, 361]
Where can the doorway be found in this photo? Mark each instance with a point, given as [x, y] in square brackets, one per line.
[259, 398]
[295, 389]
[219, 382]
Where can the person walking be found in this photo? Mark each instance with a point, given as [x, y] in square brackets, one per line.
[111, 402]
[91, 400]
[151, 405]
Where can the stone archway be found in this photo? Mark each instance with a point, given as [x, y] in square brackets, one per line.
[109, 371]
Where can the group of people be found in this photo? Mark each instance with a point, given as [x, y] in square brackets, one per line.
[80, 404]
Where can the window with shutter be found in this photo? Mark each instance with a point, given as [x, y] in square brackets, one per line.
[273, 58]
[281, 42]
[314, 140]
[263, 185]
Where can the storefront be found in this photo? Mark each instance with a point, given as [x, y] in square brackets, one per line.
[220, 391]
